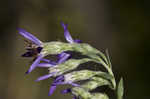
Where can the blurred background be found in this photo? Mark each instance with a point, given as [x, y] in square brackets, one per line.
[121, 26]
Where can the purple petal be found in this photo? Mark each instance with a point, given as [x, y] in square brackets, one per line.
[67, 34]
[30, 37]
[73, 84]
[45, 60]
[49, 61]
[45, 65]
[45, 77]
[64, 58]
[35, 63]
[61, 55]
[52, 89]
[66, 91]
[77, 41]
[60, 78]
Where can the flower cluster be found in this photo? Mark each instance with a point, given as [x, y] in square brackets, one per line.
[34, 49]
[62, 70]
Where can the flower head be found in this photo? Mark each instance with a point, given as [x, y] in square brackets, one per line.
[67, 69]
[34, 49]
[60, 80]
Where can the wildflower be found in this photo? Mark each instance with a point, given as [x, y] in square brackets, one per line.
[34, 49]
[60, 81]
[65, 69]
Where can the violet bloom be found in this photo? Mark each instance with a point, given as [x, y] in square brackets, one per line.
[60, 81]
[34, 48]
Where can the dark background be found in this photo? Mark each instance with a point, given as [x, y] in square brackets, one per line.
[122, 26]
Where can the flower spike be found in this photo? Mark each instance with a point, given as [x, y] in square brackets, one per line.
[66, 69]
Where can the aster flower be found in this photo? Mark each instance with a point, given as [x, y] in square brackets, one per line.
[34, 49]
[60, 81]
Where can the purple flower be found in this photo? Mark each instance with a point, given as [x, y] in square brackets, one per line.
[63, 57]
[33, 49]
[67, 34]
[60, 81]
[35, 63]
[53, 86]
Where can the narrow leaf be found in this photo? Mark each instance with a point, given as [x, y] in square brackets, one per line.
[120, 89]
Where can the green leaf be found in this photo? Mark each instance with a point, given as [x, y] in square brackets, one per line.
[120, 89]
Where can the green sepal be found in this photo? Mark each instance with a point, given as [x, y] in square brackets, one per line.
[68, 65]
[95, 82]
[81, 93]
[84, 94]
[84, 75]
[120, 89]
[99, 96]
